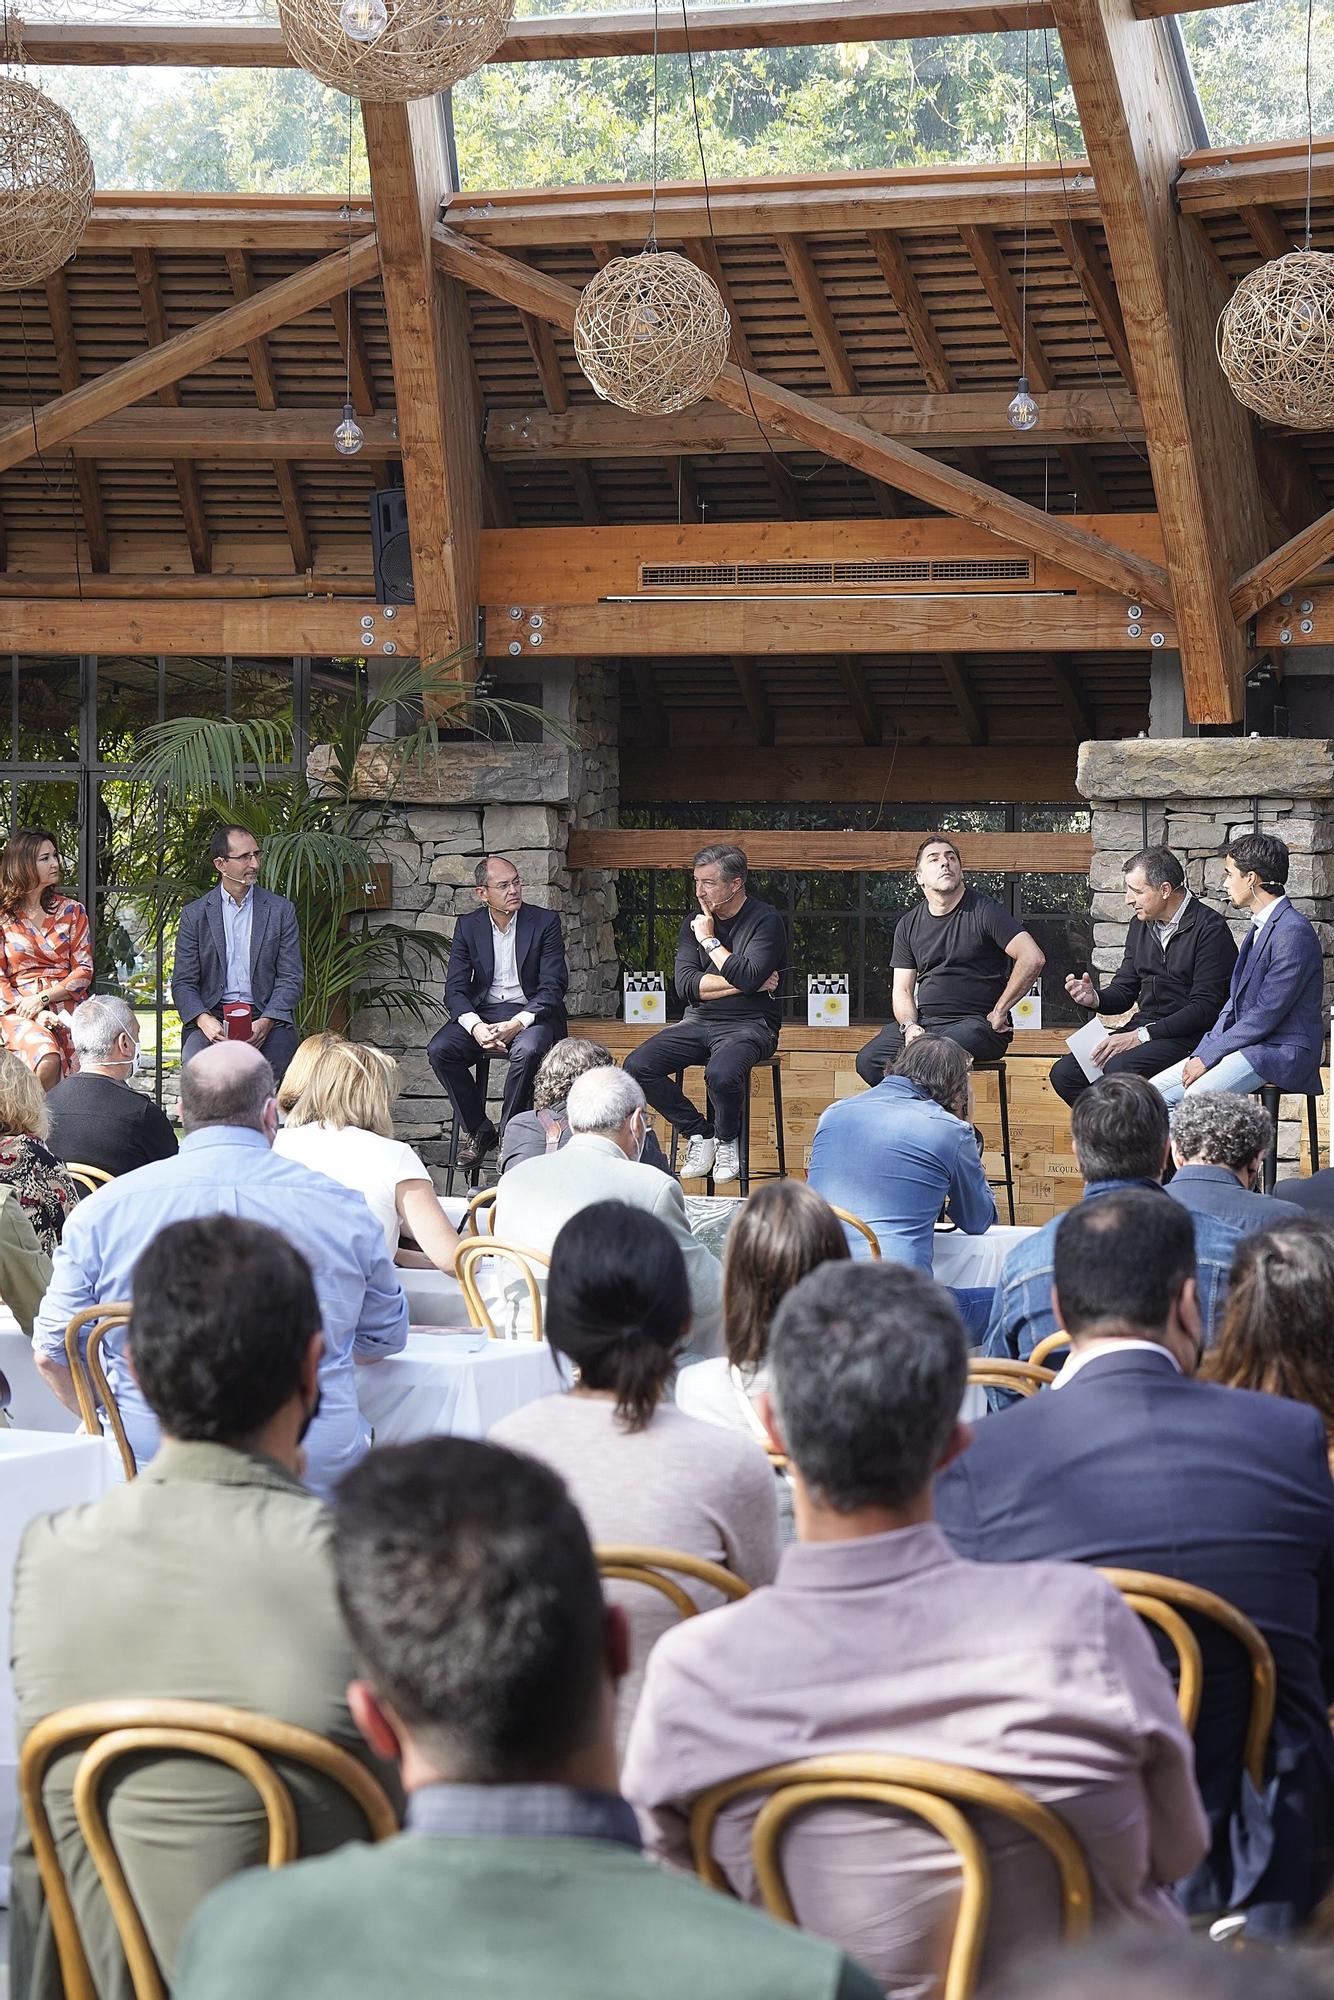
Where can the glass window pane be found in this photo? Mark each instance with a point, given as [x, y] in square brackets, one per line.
[48, 711]
[1248, 66]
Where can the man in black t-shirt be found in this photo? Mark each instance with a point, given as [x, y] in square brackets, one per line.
[728, 963]
[960, 962]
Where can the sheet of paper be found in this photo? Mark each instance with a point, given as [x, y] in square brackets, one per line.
[1082, 1044]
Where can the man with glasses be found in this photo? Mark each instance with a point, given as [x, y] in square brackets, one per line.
[238, 974]
[505, 987]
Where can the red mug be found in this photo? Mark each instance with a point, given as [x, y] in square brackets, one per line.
[236, 1018]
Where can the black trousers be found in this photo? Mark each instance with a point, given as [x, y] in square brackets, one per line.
[278, 1050]
[1068, 1080]
[453, 1055]
[974, 1033]
[729, 1051]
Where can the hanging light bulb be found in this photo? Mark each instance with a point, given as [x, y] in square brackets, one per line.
[1023, 411]
[363, 20]
[348, 436]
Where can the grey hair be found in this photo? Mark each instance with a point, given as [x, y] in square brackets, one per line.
[1161, 868]
[98, 1023]
[1221, 1128]
[601, 1100]
[868, 1363]
[730, 860]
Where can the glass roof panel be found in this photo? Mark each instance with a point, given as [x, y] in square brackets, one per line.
[1249, 64]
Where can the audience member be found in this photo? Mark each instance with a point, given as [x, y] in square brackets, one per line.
[1277, 1334]
[1119, 1138]
[729, 964]
[546, 1128]
[97, 1120]
[45, 1191]
[207, 1578]
[490, 1663]
[901, 1152]
[1178, 961]
[1314, 1192]
[337, 1098]
[618, 1310]
[1137, 1967]
[25, 1268]
[1272, 1028]
[877, 1638]
[1128, 1462]
[1219, 1143]
[604, 1162]
[226, 1166]
[960, 962]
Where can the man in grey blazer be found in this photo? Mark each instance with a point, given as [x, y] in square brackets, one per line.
[608, 1122]
[238, 943]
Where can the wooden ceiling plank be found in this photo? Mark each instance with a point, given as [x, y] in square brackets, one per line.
[586, 493]
[1072, 698]
[991, 267]
[1136, 125]
[545, 359]
[266, 395]
[162, 366]
[852, 679]
[146, 432]
[912, 310]
[701, 250]
[838, 437]
[352, 341]
[439, 417]
[70, 376]
[825, 852]
[1267, 232]
[651, 709]
[814, 304]
[1081, 252]
[187, 484]
[964, 697]
[751, 683]
[936, 776]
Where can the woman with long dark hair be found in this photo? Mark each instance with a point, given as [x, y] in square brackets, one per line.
[1277, 1333]
[618, 1312]
[46, 955]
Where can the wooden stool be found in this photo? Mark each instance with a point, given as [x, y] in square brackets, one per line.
[472, 1174]
[1007, 1179]
[1269, 1097]
[771, 1063]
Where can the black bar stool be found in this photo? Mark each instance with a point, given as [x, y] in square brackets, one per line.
[1270, 1095]
[471, 1175]
[1006, 1181]
[774, 1068]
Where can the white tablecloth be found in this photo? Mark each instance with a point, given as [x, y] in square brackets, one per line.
[32, 1406]
[974, 1262]
[39, 1473]
[457, 1384]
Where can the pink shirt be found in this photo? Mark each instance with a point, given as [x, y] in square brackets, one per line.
[1036, 1672]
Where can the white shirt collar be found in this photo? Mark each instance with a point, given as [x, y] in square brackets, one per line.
[1111, 1345]
[1261, 917]
[1167, 925]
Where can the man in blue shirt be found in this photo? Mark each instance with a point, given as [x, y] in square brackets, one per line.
[1119, 1134]
[226, 1166]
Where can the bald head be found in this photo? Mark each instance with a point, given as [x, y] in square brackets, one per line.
[228, 1083]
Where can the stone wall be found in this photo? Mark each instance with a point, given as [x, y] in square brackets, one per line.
[1194, 795]
[520, 800]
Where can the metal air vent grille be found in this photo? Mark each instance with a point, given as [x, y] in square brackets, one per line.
[921, 571]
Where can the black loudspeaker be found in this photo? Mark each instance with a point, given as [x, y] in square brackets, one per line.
[390, 547]
[1265, 710]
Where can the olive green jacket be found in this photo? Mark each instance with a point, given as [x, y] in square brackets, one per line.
[25, 1268]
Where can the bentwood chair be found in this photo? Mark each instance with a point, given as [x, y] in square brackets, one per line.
[629, 1562]
[112, 1731]
[851, 1221]
[472, 1251]
[89, 1178]
[1141, 1587]
[943, 1795]
[480, 1219]
[84, 1338]
[1021, 1376]
[1050, 1343]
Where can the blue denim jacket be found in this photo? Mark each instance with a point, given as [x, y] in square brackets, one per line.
[1021, 1313]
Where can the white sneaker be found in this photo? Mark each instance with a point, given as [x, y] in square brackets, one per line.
[727, 1165]
[699, 1158]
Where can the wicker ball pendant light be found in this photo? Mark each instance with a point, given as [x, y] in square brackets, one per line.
[46, 185]
[423, 47]
[651, 332]
[1276, 340]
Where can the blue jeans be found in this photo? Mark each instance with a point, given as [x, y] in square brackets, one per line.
[974, 1303]
[1231, 1073]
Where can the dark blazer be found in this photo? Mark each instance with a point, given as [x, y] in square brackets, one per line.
[539, 952]
[1275, 1013]
[1134, 1465]
[199, 976]
[1180, 991]
[1217, 1191]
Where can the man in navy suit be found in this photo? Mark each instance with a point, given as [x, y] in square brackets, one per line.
[1129, 1462]
[1272, 1028]
[505, 987]
[238, 945]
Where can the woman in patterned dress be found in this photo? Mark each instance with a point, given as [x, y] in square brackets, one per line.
[46, 955]
[44, 1190]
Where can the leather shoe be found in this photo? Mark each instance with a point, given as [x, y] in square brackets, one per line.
[478, 1144]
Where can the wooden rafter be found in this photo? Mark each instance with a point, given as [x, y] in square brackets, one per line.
[1224, 182]
[825, 852]
[758, 708]
[938, 776]
[1292, 564]
[964, 697]
[654, 714]
[265, 627]
[173, 359]
[1135, 126]
[702, 251]
[361, 384]
[911, 308]
[814, 305]
[187, 484]
[70, 375]
[837, 437]
[266, 395]
[438, 414]
[229, 432]
[852, 679]
[1072, 698]
[556, 396]
[1081, 253]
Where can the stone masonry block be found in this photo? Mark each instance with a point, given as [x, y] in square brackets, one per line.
[506, 827]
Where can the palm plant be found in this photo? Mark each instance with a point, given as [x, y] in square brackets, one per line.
[319, 839]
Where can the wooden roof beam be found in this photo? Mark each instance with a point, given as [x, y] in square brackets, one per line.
[187, 484]
[838, 437]
[652, 712]
[266, 395]
[964, 697]
[439, 416]
[1266, 581]
[70, 376]
[1135, 125]
[1081, 252]
[1222, 181]
[751, 684]
[852, 679]
[814, 306]
[225, 432]
[1072, 698]
[911, 308]
[58, 421]
[702, 250]
[202, 627]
